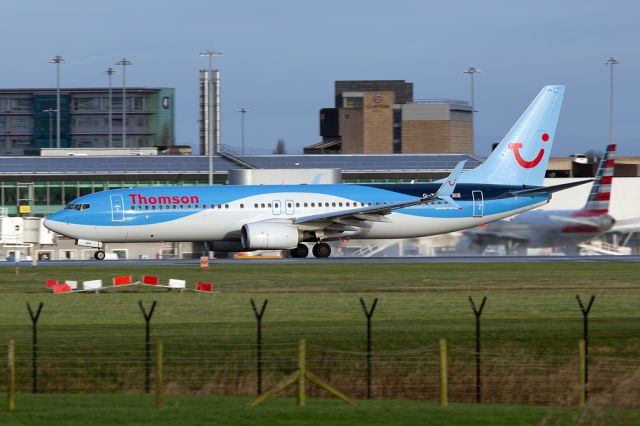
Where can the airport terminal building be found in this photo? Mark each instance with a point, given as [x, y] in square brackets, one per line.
[28, 118]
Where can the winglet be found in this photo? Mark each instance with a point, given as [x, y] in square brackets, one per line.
[448, 186]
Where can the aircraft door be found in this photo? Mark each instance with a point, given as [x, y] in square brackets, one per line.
[288, 207]
[117, 208]
[276, 209]
[478, 203]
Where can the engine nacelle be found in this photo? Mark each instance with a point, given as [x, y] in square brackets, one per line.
[223, 246]
[270, 236]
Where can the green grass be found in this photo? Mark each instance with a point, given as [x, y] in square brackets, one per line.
[97, 410]
[530, 327]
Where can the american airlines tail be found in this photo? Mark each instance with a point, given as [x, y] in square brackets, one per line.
[521, 157]
[598, 201]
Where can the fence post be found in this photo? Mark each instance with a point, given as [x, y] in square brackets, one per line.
[260, 361]
[34, 345]
[478, 312]
[302, 371]
[583, 364]
[585, 337]
[369, 313]
[160, 374]
[444, 399]
[11, 373]
[147, 350]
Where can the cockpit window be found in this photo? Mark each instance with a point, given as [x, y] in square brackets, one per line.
[78, 206]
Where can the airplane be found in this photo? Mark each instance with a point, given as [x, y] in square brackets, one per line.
[285, 217]
[564, 229]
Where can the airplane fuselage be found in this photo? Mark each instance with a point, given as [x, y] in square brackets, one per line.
[197, 213]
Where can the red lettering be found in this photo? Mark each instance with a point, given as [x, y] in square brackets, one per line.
[164, 199]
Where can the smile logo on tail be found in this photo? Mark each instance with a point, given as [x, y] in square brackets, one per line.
[524, 163]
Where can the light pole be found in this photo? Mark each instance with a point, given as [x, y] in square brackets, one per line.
[50, 110]
[472, 71]
[124, 62]
[110, 71]
[58, 60]
[242, 112]
[212, 116]
[611, 62]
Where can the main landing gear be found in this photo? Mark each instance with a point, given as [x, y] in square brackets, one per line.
[99, 255]
[301, 251]
[320, 250]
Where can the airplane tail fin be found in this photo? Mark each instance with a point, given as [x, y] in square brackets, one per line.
[598, 202]
[521, 157]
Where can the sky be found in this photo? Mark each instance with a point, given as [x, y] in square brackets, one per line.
[281, 58]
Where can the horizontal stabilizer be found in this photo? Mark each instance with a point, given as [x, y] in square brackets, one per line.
[550, 189]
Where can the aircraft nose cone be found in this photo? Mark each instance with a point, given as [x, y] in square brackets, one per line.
[53, 225]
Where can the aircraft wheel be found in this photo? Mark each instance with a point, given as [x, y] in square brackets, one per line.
[301, 251]
[322, 250]
[99, 255]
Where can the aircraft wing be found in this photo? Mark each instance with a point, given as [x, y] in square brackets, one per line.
[359, 216]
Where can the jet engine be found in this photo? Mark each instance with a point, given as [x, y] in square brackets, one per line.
[270, 236]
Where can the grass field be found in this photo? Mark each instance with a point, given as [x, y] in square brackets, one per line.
[98, 410]
[530, 328]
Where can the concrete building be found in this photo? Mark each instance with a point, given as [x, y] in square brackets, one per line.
[28, 118]
[382, 117]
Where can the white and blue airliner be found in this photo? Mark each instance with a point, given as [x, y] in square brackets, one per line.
[285, 217]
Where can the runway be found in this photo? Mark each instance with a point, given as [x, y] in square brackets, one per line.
[334, 260]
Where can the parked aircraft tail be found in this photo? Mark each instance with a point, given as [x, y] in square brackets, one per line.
[521, 157]
[598, 202]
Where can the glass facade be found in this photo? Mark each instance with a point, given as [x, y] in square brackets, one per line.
[28, 118]
[48, 197]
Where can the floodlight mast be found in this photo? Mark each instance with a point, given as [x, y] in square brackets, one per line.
[58, 60]
[471, 71]
[110, 72]
[611, 62]
[124, 62]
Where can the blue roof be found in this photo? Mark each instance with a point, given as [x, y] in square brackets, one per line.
[187, 164]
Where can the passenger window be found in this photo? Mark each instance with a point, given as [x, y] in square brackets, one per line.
[269, 205]
[339, 204]
[255, 205]
[226, 206]
[326, 204]
[153, 207]
[146, 207]
[333, 204]
[219, 206]
[262, 205]
[297, 204]
[313, 204]
[305, 204]
[242, 206]
[175, 207]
